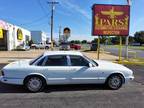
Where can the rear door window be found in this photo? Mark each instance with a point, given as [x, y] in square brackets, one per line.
[56, 60]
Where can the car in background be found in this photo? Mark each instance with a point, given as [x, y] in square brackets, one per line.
[64, 67]
[135, 44]
[40, 46]
[93, 46]
[75, 46]
[64, 46]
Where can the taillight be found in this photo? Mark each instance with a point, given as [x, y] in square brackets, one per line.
[2, 73]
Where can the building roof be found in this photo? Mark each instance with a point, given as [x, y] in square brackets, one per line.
[63, 53]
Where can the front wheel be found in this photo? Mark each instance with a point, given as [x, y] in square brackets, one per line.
[35, 84]
[114, 82]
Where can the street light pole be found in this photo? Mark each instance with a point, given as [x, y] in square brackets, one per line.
[52, 14]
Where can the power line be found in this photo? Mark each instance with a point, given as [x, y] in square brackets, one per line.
[35, 20]
[41, 6]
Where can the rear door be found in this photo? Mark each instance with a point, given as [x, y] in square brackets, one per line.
[57, 69]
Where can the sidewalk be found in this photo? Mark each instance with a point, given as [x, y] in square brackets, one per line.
[9, 56]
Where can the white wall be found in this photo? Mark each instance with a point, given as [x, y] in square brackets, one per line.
[24, 32]
[38, 36]
[12, 40]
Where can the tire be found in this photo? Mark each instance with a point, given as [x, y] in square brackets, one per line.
[33, 47]
[46, 47]
[115, 81]
[35, 83]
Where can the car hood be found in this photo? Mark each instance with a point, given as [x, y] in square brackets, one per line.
[111, 66]
[17, 64]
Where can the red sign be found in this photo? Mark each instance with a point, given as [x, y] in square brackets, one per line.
[111, 20]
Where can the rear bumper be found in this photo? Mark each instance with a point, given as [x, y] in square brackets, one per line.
[8, 80]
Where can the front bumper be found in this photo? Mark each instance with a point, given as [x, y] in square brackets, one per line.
[7, 80]
[129, 79]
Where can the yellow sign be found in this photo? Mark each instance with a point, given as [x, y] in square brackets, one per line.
[112, 13]
[19, 34]
[1, 33]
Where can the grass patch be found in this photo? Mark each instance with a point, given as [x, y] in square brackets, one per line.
[138, 61]
[123, 46]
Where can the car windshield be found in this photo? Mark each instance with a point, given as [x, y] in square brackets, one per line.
[34, 60]
[91, 60]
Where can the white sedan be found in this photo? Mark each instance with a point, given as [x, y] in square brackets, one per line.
[64, 67]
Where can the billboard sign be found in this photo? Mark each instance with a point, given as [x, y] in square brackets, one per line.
[110, 20]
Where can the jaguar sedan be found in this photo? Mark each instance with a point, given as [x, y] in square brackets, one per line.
[64, 67]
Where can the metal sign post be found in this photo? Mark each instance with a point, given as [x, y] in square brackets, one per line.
[120, 49]
[126, 48]
[98, 49]
[127, 38]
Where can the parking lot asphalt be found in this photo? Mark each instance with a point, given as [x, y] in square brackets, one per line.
[77, 96]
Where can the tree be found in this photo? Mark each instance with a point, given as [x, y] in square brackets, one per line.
[75, 42]
[72, 41]
[131, 39]
[115, 40]
[95, 40]
[84, 41]
[103, 39]
[139, 37]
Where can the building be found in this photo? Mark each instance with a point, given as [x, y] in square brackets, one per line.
[12, 36]
[39, 37]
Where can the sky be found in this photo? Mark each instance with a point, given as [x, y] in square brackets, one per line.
[75, 14]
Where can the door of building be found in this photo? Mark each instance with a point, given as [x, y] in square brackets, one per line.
[3, 40]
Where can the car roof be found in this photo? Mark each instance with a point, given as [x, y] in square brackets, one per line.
[63, 53]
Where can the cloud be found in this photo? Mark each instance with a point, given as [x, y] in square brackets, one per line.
[67, 4]
[137, 25]
[81, 37]
[63, 13]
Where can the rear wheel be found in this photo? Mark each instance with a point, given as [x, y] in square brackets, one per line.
[115, 81]
[46, 47]
[35, 83]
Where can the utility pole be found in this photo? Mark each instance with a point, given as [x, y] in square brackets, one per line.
[59, 33]
[52, 3]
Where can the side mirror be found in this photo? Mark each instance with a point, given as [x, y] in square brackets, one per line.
[90, 65]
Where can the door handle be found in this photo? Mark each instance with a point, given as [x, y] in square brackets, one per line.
[74, 69]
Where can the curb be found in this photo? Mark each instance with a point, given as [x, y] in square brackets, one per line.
[129, 62]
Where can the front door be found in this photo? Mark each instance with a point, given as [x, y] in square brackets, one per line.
[81, 72]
